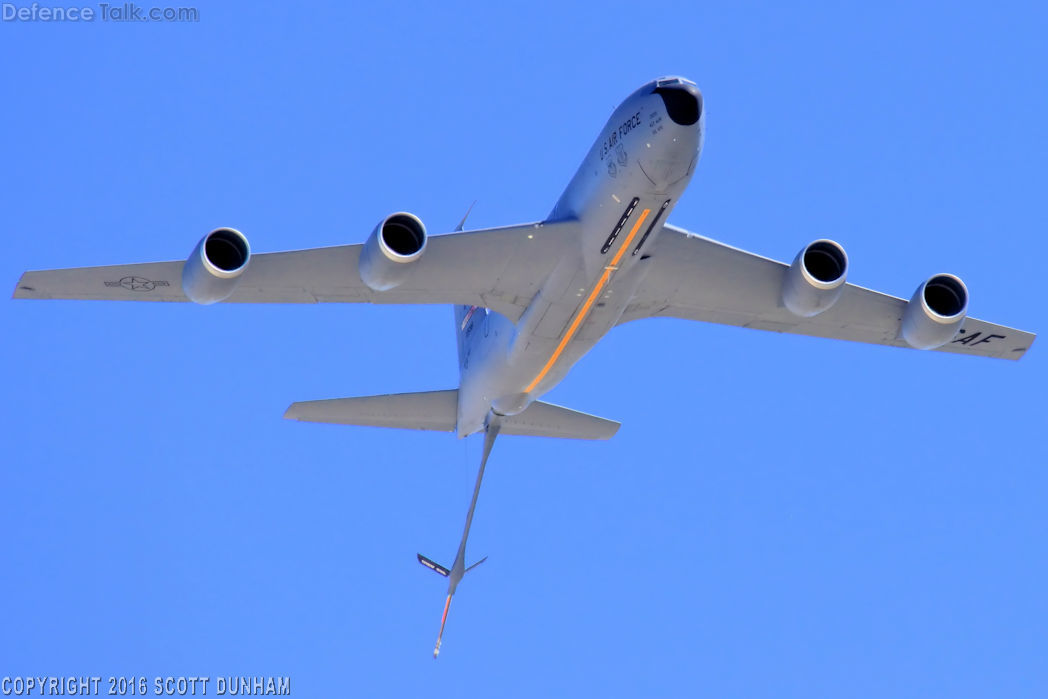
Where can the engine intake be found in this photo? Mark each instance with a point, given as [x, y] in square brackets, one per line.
[816, 278]
[214, 267]
[936, 312]
[391, 250]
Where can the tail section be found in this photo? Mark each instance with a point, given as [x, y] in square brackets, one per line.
[549, 420]
[428, 410]
[438, 410]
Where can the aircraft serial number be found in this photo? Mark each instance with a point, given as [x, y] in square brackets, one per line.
[618, 134]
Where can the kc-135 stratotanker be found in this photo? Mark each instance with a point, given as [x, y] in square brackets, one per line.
[530, 300]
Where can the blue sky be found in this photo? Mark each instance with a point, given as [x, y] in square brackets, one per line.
[778, 516]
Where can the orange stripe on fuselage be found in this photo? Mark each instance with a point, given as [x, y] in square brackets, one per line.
[584, 311]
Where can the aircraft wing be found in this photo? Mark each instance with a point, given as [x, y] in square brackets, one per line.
[697, 278]
[496, 268]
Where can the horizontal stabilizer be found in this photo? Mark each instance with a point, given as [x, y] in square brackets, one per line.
[429, 410]
[548, 420]
[438, 410]
[433, 565]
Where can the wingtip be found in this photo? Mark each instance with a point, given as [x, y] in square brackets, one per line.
[611, 428]
[23, 290]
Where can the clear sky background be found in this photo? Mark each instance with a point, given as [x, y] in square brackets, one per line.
[778, 516]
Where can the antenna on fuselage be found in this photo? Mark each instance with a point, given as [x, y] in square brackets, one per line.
[462, 223]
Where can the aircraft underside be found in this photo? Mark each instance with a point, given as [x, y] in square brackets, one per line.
[530, 300]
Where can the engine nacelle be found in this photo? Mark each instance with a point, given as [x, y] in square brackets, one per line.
[935, 313]
[814, 281]
[214, 267]
[391, 250]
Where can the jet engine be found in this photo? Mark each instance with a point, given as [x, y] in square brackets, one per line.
[935, 313]
[391, 250]
[214, 267]
[815, 279]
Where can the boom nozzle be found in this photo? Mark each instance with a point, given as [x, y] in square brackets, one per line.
[443, 620]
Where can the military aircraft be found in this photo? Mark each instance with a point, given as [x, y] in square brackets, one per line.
[530, 300]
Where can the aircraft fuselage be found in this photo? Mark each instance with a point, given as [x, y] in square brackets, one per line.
[623, 192]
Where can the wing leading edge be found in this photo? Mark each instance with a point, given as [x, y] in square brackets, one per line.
[697, 278]
[496, 268]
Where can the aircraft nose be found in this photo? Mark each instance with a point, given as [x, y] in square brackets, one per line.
[682, 99]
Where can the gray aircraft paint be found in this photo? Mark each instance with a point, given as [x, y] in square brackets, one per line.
[531, 300]
[641, 154]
